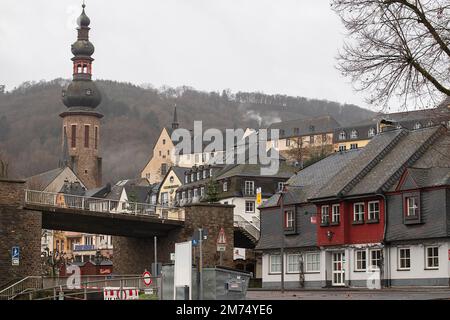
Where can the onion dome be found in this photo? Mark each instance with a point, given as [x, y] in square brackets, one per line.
[83, 48]
[83, 20]
[81, 93]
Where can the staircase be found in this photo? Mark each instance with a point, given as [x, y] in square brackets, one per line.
[21, 286]
[250, 230]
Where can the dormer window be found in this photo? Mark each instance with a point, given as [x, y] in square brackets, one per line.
[354, 134]
[342, 135]
[430, 123]
[371, 132]
[417, 125]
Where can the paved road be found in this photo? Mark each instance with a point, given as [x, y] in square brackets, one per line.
[330, 294]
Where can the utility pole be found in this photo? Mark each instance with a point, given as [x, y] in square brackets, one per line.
[201, 262]
[282, 240]
[155, 242]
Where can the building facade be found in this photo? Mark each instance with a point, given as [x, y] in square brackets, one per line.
[373, 217]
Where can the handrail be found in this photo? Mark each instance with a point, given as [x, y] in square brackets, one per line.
[61, 200]
[241, 222]
[97, 286]
[30, 282]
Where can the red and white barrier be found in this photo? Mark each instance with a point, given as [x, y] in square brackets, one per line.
[115, 293]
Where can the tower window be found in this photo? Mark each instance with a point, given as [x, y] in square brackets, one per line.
[74, 136]
[86, 136]
[85, 69]
[96, 138]
[79, 68]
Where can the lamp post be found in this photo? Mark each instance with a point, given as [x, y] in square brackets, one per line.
[281, 192]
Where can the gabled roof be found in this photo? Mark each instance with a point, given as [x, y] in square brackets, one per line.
[254, 170]
[429, 177]
[46, 178]
[308, 182]
[179, 172]
[380, 163]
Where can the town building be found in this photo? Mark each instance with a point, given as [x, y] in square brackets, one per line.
[373, 217]
[173, 180]
[359, 134]
[300, 139]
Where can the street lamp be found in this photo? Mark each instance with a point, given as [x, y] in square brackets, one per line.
[281, 193]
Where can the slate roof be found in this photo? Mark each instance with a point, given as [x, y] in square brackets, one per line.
[254, 170]
[45, 178]
[308, 182]
[180, 172]
[316, 125]
[430, 177]
[380, 163]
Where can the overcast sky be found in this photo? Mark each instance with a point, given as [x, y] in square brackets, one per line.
[273, 46]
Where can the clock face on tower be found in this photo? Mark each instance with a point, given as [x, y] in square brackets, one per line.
[88, 92]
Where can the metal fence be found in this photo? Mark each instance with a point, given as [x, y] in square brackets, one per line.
[48, 288]
[61, 200]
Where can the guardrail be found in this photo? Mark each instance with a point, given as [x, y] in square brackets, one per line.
[61, 200]
[28, 283]
[52, 287]
[251, 229]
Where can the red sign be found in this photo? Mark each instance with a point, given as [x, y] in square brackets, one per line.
[221, 239]
[448, 255]
[147, 278]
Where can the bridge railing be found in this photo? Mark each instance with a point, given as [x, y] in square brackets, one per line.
[61, 200]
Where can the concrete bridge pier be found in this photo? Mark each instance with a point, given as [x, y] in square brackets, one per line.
[18, 227]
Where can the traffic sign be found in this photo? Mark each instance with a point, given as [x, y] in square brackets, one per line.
[222, 239]
[15, 255]
[147, 278]
[194, 242]
[221, 247]
[204, 234]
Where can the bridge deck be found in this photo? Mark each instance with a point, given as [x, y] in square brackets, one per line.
[117, 218]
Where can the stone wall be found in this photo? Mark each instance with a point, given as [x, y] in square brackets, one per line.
[134, 255]
[20, 228]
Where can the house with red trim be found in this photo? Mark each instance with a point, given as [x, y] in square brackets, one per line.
[381, 219]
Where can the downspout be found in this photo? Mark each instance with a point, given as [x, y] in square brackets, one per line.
[386, 266]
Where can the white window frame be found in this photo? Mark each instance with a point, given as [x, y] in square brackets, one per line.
[373, 265]
[253, 205]
[271, 264]
[225, 186]
[280, 186]
[371, 132]
[399, 259]
[204, 174]
[289, 219]
[308, 263]
[414, 207]
[354, 134]
[361, 257]
[198, 175]
[335, 214]
[327, 215]
[249, 186]
[342, 135]
[202, 191]
[371, 212]
[359, 213]
[427, 257]
[295, 263]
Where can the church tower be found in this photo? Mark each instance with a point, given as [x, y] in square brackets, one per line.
[81, 122]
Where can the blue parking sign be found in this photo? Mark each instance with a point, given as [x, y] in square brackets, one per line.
[15, 255]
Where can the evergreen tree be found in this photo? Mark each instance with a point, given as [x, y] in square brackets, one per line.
[212, 191]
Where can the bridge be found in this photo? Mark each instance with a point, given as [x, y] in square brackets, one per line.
[102, 216]
[24, 213]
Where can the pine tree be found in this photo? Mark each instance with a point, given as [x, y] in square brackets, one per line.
[212, 191]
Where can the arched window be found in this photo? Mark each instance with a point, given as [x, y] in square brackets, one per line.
[354, 134]
[85, 69]
[79, 69]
